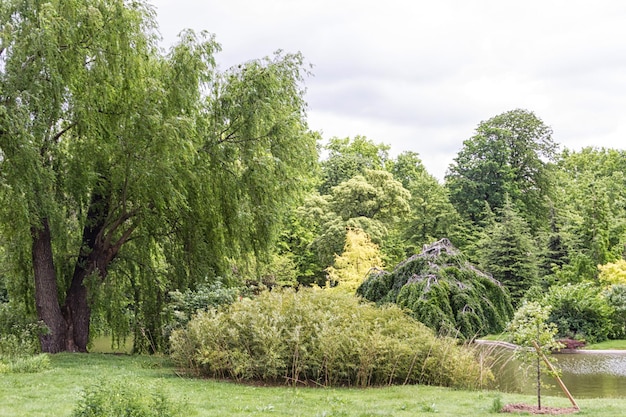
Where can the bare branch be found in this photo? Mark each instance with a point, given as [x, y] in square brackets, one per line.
[124, 238]
[56, 137]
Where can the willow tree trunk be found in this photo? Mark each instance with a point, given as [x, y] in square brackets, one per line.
[46, 291]
[77, 314]
[69, 322]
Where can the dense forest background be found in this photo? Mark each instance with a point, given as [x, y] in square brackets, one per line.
[137, 183]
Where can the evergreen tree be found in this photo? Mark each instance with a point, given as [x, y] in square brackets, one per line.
[444, 291]
[507, 251]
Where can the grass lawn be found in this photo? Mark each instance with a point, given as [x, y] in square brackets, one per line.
[608, 345]
[55, 392]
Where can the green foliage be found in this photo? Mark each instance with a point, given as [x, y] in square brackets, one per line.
[23, 364]
[496, 404]
[443, 291]
[591, 206]
[432, 216]
[531, 330]
[530, 324]
[507, 251]
[613, 273]
[120, 398]
[373, 194]
[150, 170]
[19, 342]
[318, 337]
[506, 156]
[373, 202]
[580, 311]
[183, 305]
[360, 255]
[348, 158]
[19, 333]
[615, 297]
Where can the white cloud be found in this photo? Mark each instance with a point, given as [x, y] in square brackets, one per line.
[420, 75]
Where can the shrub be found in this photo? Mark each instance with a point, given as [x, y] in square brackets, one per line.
[612, 273]
[615, 296]
[580, 311]
[19, 334]
[318, 337]
[124, 399]
[183, 305]
[19, 342]
[25, 364]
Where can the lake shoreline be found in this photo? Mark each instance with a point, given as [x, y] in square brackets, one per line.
[513, 346]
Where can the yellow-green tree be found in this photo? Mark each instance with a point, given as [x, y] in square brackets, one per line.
[360, 255]
[612, 273]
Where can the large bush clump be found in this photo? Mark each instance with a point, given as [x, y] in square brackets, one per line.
[580, 311]
[443, 291]
[183, 305]
[320, 338]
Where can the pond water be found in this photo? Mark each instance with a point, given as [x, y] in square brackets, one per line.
[586, 375]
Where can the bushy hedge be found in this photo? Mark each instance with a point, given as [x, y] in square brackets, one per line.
[320, 338]
[183, 305]
[580, 311]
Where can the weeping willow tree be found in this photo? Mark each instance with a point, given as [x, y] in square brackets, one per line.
[126, 171]
[443, 291]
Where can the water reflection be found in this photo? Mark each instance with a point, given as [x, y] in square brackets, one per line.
[586, 375]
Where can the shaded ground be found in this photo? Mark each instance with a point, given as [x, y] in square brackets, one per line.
[532, 409]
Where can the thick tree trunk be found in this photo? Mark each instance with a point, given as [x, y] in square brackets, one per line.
[69, 324]
[77, 315]
[76, 310]
[46, 291]
[95, 255]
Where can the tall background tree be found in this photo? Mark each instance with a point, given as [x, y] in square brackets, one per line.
[591, 208]
[508, 155]
[432, 216]
[127, 169]
[348, 157]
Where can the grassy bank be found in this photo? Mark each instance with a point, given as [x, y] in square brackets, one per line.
[606, 345]
[55, 393]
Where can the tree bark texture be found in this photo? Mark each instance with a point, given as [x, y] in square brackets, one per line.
[69, 322]
[46, 291]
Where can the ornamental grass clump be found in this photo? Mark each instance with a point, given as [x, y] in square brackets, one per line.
[321, 338]
[122, 398]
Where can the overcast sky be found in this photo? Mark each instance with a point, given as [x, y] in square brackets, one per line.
[420, 75]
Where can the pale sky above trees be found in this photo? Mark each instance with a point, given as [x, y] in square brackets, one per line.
[421, 75]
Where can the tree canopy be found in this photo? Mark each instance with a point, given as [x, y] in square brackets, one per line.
[506, 156]
[128, 172]
[127, 166]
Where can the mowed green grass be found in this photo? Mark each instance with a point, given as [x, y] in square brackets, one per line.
[608, 345]
[55, 392]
